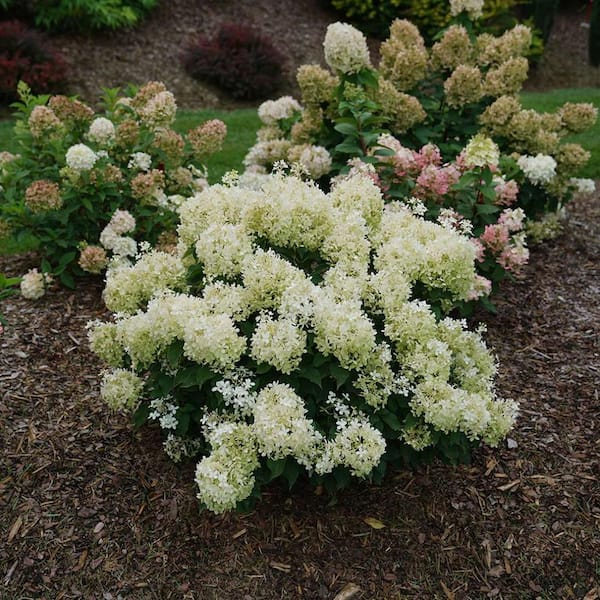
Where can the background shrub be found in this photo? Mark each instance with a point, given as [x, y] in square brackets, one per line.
[26, 55]
[374, 16]
[80, 15]
[238, 59]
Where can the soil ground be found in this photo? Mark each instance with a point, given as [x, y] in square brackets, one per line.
[90, 508]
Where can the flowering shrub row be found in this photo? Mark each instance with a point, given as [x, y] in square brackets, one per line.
[85, 186]
[300, 332]
[482, 151]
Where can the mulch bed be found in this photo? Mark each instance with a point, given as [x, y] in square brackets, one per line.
[90, 508]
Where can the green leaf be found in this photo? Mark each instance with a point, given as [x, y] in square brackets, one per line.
[346, 129]
[312, 375]
[140, 416]
[340, 374]
[291, 472]
[487, 209]
[391, 420]
[67, 280]
[195, 376]
[348, 147]
[174, 353]
[183, 422]
[276, 467]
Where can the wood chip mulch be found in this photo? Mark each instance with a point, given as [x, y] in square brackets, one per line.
[91, 509]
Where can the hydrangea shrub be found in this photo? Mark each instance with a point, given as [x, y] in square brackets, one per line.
[300, 332]
[457, 96]
[91, 186]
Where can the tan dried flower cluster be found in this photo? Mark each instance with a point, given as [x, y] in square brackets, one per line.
[144, 186]
[43, 195]
[455, 48]
[506, 79]
[208, 137]
[93, 259]
[463, 86]
[404, 58]
[404, 111]
[43, 122]
[171, 144]
[70, 110]
[317, 85]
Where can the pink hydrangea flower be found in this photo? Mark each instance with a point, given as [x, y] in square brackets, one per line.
[495, 237]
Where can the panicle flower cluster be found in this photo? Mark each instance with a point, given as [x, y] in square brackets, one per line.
[43, 122]
[291, 275]
[121, 389]
[101, 131]
[404, 58]
[453, 49]
[159, 110]
[577, 117]
[481, 151]
[474, 8]
[345, 48]
[464, 86]
[317, 85]
[208, 137]
[34, 284]
[93, 259]
[539, 169]
[80, 158]
[271, 112]
[70, 110]
[43, 195]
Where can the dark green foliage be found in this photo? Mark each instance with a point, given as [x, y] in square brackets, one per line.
[543, 13]
[81, 15]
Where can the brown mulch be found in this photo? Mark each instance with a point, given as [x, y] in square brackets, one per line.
[90, 508]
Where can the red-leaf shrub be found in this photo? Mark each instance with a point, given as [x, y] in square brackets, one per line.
[238, 59]
[26, 55]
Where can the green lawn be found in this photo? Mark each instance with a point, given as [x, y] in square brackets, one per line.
[241, 134]
[590, 140]
[242, 125]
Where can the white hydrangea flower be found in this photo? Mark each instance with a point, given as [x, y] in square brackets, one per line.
[122, 222]
[281, 427]
[585, 187]
[474, 8]
[140, 161]
[33, 284]
[538, 169]
[101, 131]
[346, 48]
[278, 342]
[481, 151]
[81, 157]
[316, 160]
[226, 476]
[121, 389]
[271, 111]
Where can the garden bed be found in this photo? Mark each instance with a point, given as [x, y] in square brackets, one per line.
[91, 509]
